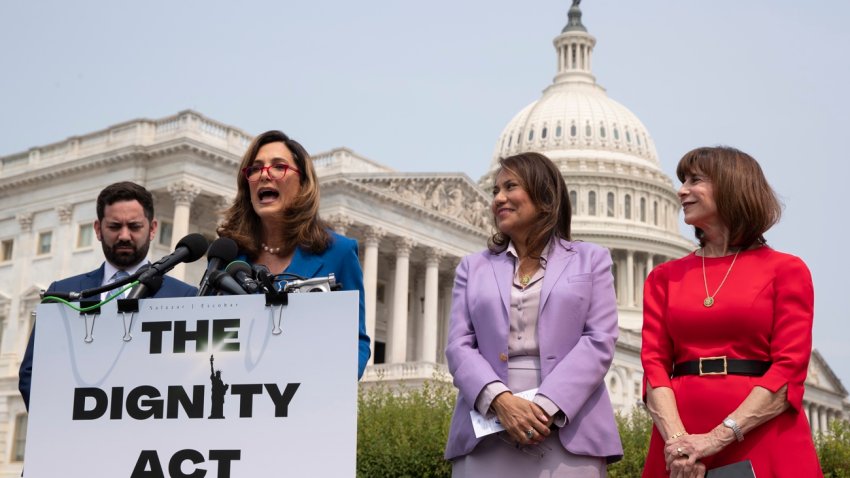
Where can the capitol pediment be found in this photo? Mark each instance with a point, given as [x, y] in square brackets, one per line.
[821, 375]
[452, 196]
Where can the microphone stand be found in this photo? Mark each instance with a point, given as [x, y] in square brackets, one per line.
[96, 291]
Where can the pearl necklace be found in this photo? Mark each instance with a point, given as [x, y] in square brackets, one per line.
[709, 298]
[270, 250]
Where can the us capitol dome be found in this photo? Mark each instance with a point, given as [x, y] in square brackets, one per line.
[621, 199]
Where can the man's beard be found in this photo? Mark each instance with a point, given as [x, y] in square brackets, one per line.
[125, 258]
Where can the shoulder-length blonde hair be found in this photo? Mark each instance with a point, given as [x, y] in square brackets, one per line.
[548, 192]
[301, 223]
[746, 204]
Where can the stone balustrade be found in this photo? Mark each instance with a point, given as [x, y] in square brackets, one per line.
[135, 133]
[405, 371]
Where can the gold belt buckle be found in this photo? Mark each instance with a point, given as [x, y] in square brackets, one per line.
[725, 365]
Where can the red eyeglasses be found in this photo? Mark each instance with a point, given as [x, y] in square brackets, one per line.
[275, 171]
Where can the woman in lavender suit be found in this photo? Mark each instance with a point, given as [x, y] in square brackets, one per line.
[534, 311]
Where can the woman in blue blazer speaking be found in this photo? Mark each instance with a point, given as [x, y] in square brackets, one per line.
[275, 221]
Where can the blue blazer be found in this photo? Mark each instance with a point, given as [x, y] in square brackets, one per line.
[170, 288]
[340, 259]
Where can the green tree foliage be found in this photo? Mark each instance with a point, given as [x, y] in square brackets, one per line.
[635, 429]
[834, 450]
[402, 432]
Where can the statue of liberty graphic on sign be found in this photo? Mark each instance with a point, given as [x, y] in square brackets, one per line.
[219, 388]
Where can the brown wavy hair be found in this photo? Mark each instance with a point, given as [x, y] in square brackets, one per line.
[746, 203]
[301, 223]
[546, 188]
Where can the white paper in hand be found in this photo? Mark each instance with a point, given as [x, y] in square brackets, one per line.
[484, 425]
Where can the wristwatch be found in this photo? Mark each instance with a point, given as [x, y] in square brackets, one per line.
[731, 423]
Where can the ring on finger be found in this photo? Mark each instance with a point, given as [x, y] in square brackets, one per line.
[680, 451]
[529, 433]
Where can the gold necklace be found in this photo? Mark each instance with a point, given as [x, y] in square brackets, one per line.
[709, 298]
[524, 279]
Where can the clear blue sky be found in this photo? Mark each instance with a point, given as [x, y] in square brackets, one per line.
[428, 86]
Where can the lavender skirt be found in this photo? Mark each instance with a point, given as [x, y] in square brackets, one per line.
[498, 457]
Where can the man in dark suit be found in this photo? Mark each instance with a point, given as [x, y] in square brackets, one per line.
[125, 227]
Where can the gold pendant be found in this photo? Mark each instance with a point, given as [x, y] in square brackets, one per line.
[524, 280]
[708, 302]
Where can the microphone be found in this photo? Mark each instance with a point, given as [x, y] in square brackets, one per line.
[222, 282]
[69, 296]
[222, 251]
[189, 249]
[147, 287]
[264, 277]
[140, 289]
[244, 275]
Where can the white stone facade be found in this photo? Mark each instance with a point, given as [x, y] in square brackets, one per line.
[412, 228]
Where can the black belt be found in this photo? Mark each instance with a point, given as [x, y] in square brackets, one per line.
[721, 366]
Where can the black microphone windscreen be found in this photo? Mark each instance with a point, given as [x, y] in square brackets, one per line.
[196, 244]
[223, 248]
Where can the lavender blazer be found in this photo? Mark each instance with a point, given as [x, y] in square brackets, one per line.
[577, 329]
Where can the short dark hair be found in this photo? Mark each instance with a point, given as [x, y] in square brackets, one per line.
[746, 203]
[125, 191]
[547, 190]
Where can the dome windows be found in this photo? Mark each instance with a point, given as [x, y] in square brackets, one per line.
[655, 212]
[616, 133]
[573, 201]
[544, 132]
[628, 137]
[531, 135]
[588, 131]
[591, 203]
[610, 208]
[558, 131]
[642, 209]
[573, 130]
[628, 206]
[601, 130]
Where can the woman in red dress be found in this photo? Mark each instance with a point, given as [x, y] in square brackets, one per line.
[727, 333]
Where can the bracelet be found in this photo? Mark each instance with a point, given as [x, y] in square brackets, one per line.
[729, 422]
[677, 435]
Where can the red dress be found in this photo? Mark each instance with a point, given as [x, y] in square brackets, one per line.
[763, 312]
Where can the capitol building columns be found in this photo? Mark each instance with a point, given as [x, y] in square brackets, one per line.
[370, 279]
[631, 268]
[183, 193]
[65, 213]
[428, 349]
[408, 278]
[397, 330]
[630, 279]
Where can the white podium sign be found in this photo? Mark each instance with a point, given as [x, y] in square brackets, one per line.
[148, 405]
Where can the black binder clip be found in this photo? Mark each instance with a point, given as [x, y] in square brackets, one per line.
[128, 306]
[277, 299]
[89, 316]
